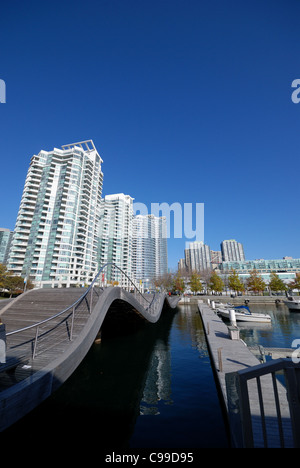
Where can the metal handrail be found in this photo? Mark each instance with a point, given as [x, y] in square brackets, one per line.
[125, 274]
[73, 306]
[154, 298]
[239, 401]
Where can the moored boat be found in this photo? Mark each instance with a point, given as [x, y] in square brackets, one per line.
[243, 314]
[292, 303]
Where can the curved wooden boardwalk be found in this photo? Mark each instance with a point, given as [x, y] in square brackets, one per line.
[39, 359]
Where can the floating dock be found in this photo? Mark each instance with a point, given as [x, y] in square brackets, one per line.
[269, 423]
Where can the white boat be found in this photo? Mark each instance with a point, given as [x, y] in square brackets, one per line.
[243, 314]
[224, 305]
[292, 303]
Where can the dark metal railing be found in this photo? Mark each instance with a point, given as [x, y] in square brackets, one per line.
[285, 424]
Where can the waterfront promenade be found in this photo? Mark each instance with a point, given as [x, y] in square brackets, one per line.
[270, 423]
[237, 300]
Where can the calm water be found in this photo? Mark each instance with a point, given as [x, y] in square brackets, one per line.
[285, 327]
[151, 388]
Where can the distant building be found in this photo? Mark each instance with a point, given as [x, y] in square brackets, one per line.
[5, 241]
[182, 265]
[149, 248]
[55, 241]
[197, 256]
[216, 257]
[115, 236]
[232, 251]
[286, 269]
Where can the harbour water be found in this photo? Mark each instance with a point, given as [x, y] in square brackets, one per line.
[280, 333]
[148, 387]
[151, 387]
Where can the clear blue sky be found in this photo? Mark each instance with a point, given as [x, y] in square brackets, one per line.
[187, 101]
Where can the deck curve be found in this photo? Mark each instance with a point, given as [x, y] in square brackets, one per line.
[50, 369]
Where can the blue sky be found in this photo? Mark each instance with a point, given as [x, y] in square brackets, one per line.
[186, 101]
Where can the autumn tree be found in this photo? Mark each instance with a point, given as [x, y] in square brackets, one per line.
[178, 283]
[14, 284]
[3, 275]
[235, 283]
[29, 284]
[215, 283]
[195, 282]
[295, 284]
[165, 281]
[276, 284]
[255, 282]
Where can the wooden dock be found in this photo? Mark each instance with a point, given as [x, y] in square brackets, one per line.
[230, 356]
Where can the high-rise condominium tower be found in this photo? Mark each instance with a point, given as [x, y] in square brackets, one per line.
[232, 251]
[5, 240]
[55, 241]
[115, 236]
[197, 256]
[149, 249]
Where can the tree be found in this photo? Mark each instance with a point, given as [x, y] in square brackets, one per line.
[3, 275]
[206, 274]
[29, 284]
[295, 284]
[178, 283]
[255, 282]
[165, 281]
[215, 283]
[195, 283]
[276, 284]
[234, 282]
[14, 284]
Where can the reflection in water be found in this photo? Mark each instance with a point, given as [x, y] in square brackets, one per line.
[158, 383]
[151, 387]
[180, 406]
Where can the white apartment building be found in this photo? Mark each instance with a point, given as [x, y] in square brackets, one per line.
[197, 256]
[232, 251]
[5, 241]
[149, 248]
[115, 237]
[55, 241]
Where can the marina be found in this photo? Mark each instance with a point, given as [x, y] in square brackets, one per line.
[151, 388]
[259, 412]
[166, 384]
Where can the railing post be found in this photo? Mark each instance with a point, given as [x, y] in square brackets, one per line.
[220, 359]
[91, 299]
[239, 409]
[234, 409]
[35, 341]
[72, 323]
[292, 384]
[2, 343]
